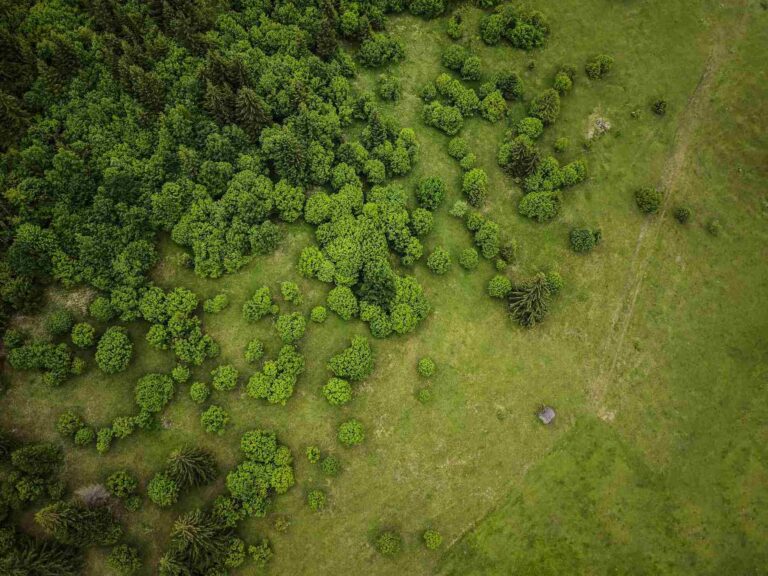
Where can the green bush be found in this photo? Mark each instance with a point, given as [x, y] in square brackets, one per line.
[561, 144]
[122, 484]
[426, 367]
[491, 28]
[199, 392]
[337, 391]
[659, 107]
[124, 560]
[153, 392]
[291, 327]
[530, 127]
[114, 350]
[215, 419]
[468, 162]
[351, 433]
[682, 214]
[216, 304]
[389, 87]
[330, 466]
[448, 119]
[259, 445]
[454, 56]
[163, 490]
[545, 106]
[475, 186]
[471, 68]
[459, 209]
[69, 423]
[469, 259]
[519, 157]
[648, 199]
[422, 221]
[554, 282]
[499, 286]
[290, 292]
[424, 395]
[583, 239]
[439, 261]
[562, 83]
[59, 322]
[101, 309]
[224, 377]
[343, 302]
[380, 49]
[259, 305]
[319, 314]
[85, 436]
[430, 192]
[355, 362]
[432, 539]
[83, 335]
[458, 148]
[254, 351]
[313, 454]
[180, 373]
[493, 107]
[388, 543]
[426, 8]
[455, 25]
[529, 301]
[599, 66]
[104, 440]
[714, 227]
[316, 500]
[123, 426]
[540, 206]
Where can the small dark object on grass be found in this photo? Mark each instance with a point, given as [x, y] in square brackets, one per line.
[531, 65]
[682, 214]
[714, 227]
[659, 107]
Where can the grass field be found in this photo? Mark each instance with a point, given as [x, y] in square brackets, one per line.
[654, 355]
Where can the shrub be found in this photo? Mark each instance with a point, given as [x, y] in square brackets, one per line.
[447, 119]
[561, 144]
[180, 373]
[104, 440]
[85, 436]
[69, 423]
[426, 367]
[224, 377]
[123, 426]
[455, 25]
[380, 49]
[432, 539]
[714, 227]
[199, 392]
[316, 500]
[291, 327]
[599, 66]
[458, 148]
[313, 454]
[428, 92]
[424, 395]
[493, 107]
[122, 484]
[59, 322]
[259, 305]
[530, 127]
[216, 304]
[422, 221]
[491, 28]
[330, 466]
[459, 209]
[562, 83]
[101, 309]
[260, 553]
[519, 157]
[430, 192]
[114, 351]
[439, 261]
[290, 292]
[583, 239]
[475, 186]
[682, 214]
[499, 286]
[468, 162]
[468, 259]
[388, 543]
[191, 466]
[389, 87]
[83, 335]
[375, 171]
[426, 8]
[540, 206]
[648, 199]
[215, 419]
[254, 351]
[343, 302]
[659, 107]
[337, 391]
[124, 560]
[318, 314]
[259, 445]
[554, 282]
[351, 433]
[355, 362]
[163, 490]
[471, 68]
[546, 106]
[153, 392]
[454, 56]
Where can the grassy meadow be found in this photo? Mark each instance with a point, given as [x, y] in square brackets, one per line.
[654, 355]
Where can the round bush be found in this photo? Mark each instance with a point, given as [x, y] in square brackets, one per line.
[330, 466]
[430, 192]
[529, 126]
[582, 240]
[682, 214]
[561, 144]
[459, 209]
[224, 378]
[180, 373]
[546, 106]
[85, 436]
[254, 351]
[291, 292]
[388, 543]
[101, 309]
[59, 322]
[469, 259]
[153, 392]
[421, 221]
[426, 367]
[313, 454]
[69, 423]
[562, 83]
[648, 199]
[83, 335]
[124, 560]
[475, 186]
[199, 392]
[316, 500]
[554, 282]
[539, 206]
[215, 419]
[351, 433]
[163, 490]
[319, 314]
[424, 395]
[458, 148]
[343, 302]
[439, 261]
[337, 391]
[114, 351]
[121, 484]
[432, 539]
[468, 162]
[499, 286]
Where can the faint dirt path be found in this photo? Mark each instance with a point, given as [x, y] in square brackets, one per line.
[647, 240]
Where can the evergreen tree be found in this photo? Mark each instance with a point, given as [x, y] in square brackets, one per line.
[251, 111]
[529, 302]
[192, 466]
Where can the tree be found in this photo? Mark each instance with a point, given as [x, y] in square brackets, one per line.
[79, 526]
[529, 302]
[318, 314]
[519, 157]
[546, 106]
[259, 445]
[432, 539]
[121, 484]
[343, 302]
[124, 560]
[153, 392]
[599, 66]
[254, 351]
[224, 378]
[475, 186]
[355, 362]
[59, 322]
[499, 286]
[190, 466]
[215, 419]
[426, 367]
[583, 239]
[648, 199]
[114, 350]
[199, 392]
[540, 206]
[316, 500]
[351, 433]
[259, 305]
[291, 327]
[430, 192]
[468, 259]
[439, 261]
[337, 391]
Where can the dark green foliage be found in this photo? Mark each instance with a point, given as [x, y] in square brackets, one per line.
[31, 557]
[190, 466]
[545, 106]
[337, 391]
[510, 84]
[540, 206]
[224, 378]
[475, 186]
[55, 360]
[439, 261]
[659, 107]
[430, 192]
[216, 304]
[448, 119]
[529, 301]
[682, 214]
[83, 335]
[122, 484]
[380, 49]
[69, 422]
[199, 392]
[85, 436]
[389, 87]
[316, 500]
[199, 544]
[519, 157]
[114, 350]
[214, 420]
[76, 525]
[259, 305]
[599, 66]
[40, 460]
[59, 322]
[124, 560]
[101, 309]
[153, 392]
[163, 490]
[354, 362]
[584, 239]
[455, 25]
[351, 433]
[343, 302]
[648, 199]
[388, 543]
[330, 466]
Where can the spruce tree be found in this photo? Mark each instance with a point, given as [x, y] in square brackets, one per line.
[528, 302]
[192, 466]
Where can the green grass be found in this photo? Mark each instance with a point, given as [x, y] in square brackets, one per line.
[656, 451]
